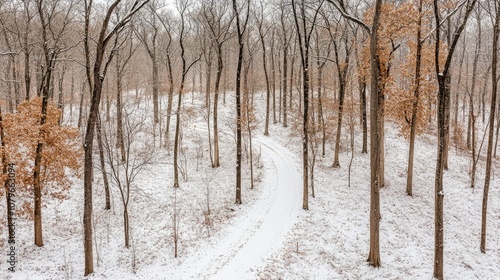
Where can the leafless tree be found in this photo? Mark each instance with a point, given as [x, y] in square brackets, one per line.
[95, 80]
[493, 7]
[443, 76]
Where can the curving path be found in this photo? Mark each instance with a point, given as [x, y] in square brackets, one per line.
[278, 220]
[252, 239]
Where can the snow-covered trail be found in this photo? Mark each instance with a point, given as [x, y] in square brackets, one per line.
[246, 244]
[279, 219]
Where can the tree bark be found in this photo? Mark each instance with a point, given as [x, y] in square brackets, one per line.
[240, 32]
[375, 139]
[443, 123]
[416, 95]
[496, 32]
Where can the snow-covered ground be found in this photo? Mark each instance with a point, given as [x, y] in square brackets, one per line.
[269, 236]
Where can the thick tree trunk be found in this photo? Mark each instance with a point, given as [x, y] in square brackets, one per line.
[375, 139]
[443, 118]
[238, 98]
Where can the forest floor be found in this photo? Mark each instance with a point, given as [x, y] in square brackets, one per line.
[269, 236]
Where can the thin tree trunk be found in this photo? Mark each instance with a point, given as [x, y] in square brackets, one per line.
[416, 95]
[220, 65]
[494, 90]
[60, 104]
[119, 107]
[103, 165]
[5, 171]
[268, 90]
[170, 97]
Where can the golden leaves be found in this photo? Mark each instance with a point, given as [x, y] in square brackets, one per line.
[61, 155]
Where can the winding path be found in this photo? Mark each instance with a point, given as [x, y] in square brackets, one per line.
[279, 219]
[249, 242]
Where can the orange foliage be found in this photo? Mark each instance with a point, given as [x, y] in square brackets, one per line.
[62, 153]
[397, 53]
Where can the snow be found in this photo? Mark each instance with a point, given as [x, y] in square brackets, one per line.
[269, 236]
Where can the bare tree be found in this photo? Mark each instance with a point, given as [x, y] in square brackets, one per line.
[494, 89]
[416, 94]
[218, 22]
[53, 45]
[95, 81]
[137, 157]
[375, 117]
[262, 33]
[182, 7]
[304, 33]
[443, 76]
[240, 31]
[148, 34]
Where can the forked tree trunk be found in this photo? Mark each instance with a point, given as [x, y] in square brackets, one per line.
[185, 70]
[342, 68]
[95, 84]
[443, 77]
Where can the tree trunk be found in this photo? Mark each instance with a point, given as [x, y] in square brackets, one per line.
[268, 90]
[126, 227]
[416, 94]
[220, 66]
[103, 165]
[156, 114]
[5, 171]
[238, 97]
[336, 163]
[494, 80]
[170, 97]
[60, 104]
[375, 139]
[119, 107]
[285, 72]
[443, 77]
[80, 109]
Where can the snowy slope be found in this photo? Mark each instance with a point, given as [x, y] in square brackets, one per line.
[270, 236]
